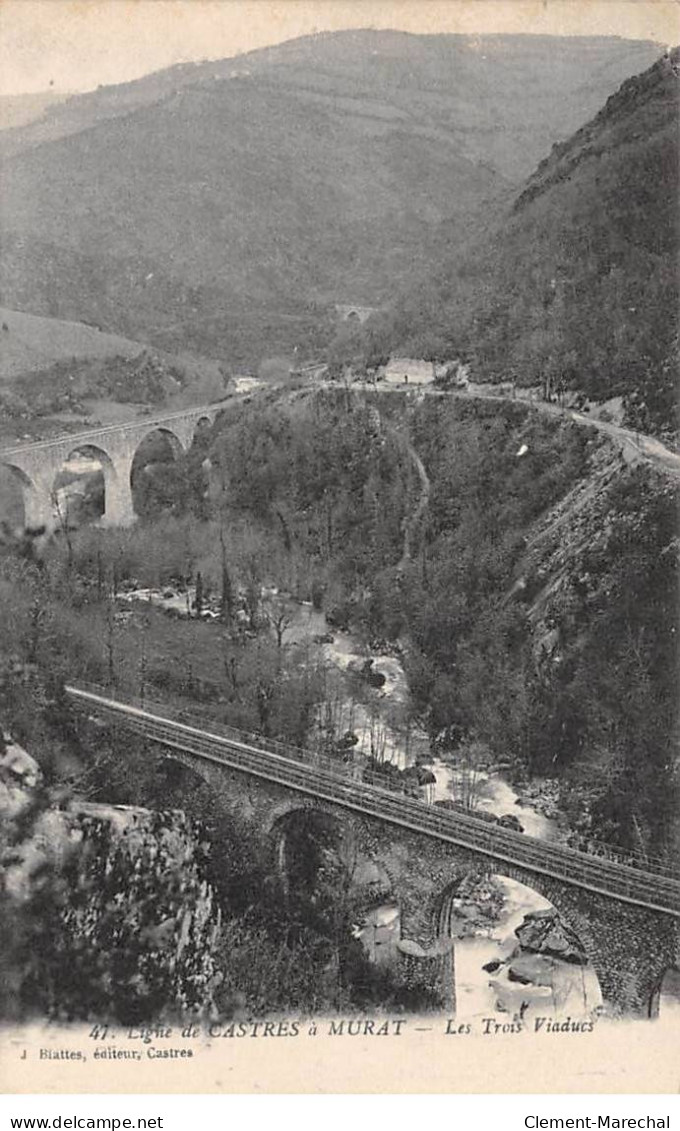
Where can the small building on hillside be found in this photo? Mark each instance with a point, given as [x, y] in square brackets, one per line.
[409, 371]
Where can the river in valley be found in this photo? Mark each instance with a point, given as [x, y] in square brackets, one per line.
[495, 976]
[368, 696]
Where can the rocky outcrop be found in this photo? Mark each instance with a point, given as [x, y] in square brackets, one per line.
[476, 906]
[109, 911]
[575, 523]
[544, 932]
[532, 970]
[546, 960]
[19, 776]
[543, 795]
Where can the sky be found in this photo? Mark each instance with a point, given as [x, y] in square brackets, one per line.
[73, 45]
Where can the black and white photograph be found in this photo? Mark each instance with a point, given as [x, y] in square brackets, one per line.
[339, 544]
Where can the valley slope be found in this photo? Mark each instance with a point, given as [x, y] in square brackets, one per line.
[577, 286]
[225, 207]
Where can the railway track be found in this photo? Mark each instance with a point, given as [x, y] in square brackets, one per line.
[648, 885]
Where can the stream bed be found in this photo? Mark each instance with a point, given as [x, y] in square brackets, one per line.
[494, 975]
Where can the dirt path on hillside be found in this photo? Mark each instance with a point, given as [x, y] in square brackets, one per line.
[636, 446]
[412, 521]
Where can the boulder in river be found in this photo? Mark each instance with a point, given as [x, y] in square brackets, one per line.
[420, 774]
[532, 969]
[372, 676]
[515, 975]
[510, 821]
[544, 932]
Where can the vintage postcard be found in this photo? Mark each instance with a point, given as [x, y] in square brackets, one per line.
[339, 575]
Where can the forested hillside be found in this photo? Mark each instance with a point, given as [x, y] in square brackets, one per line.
[535, 607]
[530, 593]
[577, 288]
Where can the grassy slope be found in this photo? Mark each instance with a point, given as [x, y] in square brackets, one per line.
[31, 342]
[58, 376]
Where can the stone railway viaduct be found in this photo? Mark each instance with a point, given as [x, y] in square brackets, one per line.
[627, 919]
[36, 466]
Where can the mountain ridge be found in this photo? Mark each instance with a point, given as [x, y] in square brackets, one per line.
[241, 189]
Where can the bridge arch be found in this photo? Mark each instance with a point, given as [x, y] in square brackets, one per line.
[169, 436]
[19, 497]
[538, 979]
[665, 999]
[94, 452]
[92, 465]
[160, 446]
[302, 839]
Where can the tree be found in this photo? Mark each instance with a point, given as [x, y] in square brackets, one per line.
[60, 508]
[280, 621]
[226, 588]
[467, 777]
[110, 643]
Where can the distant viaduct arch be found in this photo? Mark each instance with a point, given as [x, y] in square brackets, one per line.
[354, 314]
[35, 467]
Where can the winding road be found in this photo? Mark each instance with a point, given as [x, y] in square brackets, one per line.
[636, 447]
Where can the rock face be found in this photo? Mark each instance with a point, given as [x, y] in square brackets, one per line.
[109, 910]
[546, 969]
[543, 932]
[476, 906]
[19, 775]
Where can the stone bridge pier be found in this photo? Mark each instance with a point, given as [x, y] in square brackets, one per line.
[629, 947]
[35, 467]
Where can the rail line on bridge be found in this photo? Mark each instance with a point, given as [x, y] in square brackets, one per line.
[322, 778]
[77, 439]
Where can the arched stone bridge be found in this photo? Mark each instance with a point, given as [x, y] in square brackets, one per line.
[36, 466]
[626, 918]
